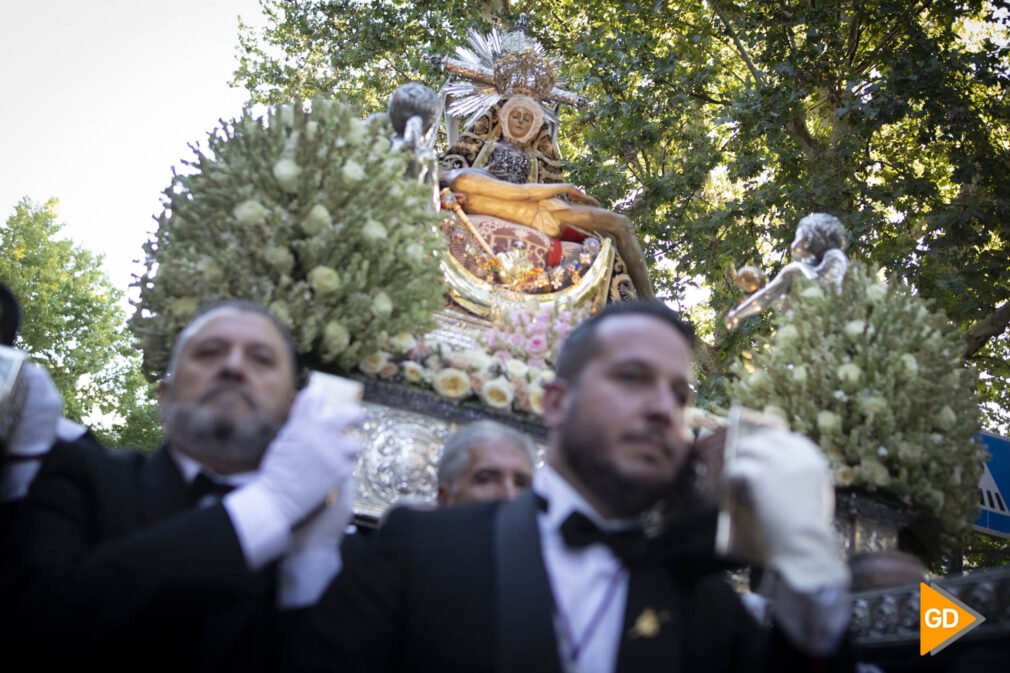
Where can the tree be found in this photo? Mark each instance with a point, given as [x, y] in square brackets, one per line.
[75, 327]
[719, 124]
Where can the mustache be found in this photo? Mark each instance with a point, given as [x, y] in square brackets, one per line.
[654, 434]
[228, 387]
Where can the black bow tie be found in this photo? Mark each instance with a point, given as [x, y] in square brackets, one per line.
[203, 486]
[580, 531]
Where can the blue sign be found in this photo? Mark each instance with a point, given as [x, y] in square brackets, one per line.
[994, 487]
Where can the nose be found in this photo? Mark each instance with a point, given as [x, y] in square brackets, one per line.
[233, 365]
[510, 488]
[662, 404]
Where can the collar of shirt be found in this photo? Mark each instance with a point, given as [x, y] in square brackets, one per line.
[190, 467]
[562, 499]
[589, 612]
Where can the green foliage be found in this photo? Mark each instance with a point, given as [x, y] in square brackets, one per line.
[307, 213]
[73, 326]
[876, 380]
[718, 124]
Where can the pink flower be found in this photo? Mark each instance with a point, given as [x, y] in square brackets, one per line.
[476, 381]
[503, 355]
[515, 340]
[388, 370]
[537, 345]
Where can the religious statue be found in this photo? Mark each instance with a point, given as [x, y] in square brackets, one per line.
[818, 254]
[518, 225]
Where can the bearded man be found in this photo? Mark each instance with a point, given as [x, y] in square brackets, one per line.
[178, 560]
[575, 575]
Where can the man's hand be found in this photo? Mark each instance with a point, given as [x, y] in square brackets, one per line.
[788, 482]
[312, 457]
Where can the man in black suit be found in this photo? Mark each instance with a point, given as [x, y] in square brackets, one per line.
[178, 560]
[564, 578]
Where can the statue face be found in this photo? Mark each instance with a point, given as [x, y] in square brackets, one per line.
[802, 245]
[519, 121]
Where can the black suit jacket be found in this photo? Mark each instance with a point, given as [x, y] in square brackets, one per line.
[464, 589]
[116, 567]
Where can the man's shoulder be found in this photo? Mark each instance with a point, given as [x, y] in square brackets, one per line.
[86, 455]
[404, 520]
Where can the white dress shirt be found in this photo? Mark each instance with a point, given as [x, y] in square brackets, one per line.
[580, 579]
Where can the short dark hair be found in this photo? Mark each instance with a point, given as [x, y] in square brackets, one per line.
[245, 306]
[10, 316]
[582, 345]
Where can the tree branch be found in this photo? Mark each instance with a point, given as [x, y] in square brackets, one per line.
[755, 73]
[992, 325]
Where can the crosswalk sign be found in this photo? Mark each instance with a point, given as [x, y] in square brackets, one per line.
[994, 487]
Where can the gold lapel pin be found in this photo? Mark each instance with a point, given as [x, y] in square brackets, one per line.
[648, 624]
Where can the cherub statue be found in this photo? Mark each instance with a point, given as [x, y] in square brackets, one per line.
[413, 112]
[817, 253]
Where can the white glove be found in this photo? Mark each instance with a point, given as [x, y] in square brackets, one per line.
[35, 430]
[313, 559]
[312, 456]
[34, 433]
[788, 483]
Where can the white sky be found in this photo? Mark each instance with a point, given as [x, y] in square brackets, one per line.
[98, 101]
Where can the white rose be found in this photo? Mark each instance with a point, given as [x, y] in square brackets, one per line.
[910, 364]
[403, 342]
[414, 252]
[374, 362]
[324, 280]
[310, 129]
[355, 131]
[413, 372]
[849, 373]
[352, 171]
[872, 405]
[875, 292]
[498, 393]
[799, 374]
[336, 338]
[250, 212]
[382, 305]
[280, 258]
[843, 475]
[854, 329]
[516, 369]
[946, 419]
[786, 335]
[873, 472]
[812, 292]
[211, 270]
[545, 376]
[280, 311]
[757, 378]
[287, 172]
[373, 231]
[318, 219]
[828, 422]
[452, 383]
[536, 394]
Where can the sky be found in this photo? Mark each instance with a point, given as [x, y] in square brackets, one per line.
[98, 101]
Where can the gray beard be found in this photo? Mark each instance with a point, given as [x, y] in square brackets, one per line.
[220, 443]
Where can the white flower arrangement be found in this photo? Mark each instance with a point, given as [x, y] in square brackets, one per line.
[884, 392]
[307, 211]
[458, 374]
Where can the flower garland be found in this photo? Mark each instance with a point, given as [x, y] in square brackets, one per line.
[877, 380]
[306, 211]
[533, 334]
[458, 374]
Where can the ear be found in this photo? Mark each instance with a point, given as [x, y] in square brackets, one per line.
[556, 401]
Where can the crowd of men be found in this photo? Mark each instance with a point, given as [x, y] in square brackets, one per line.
[221, 550]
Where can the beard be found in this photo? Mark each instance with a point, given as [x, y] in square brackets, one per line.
[217, 440]
[584, 450]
